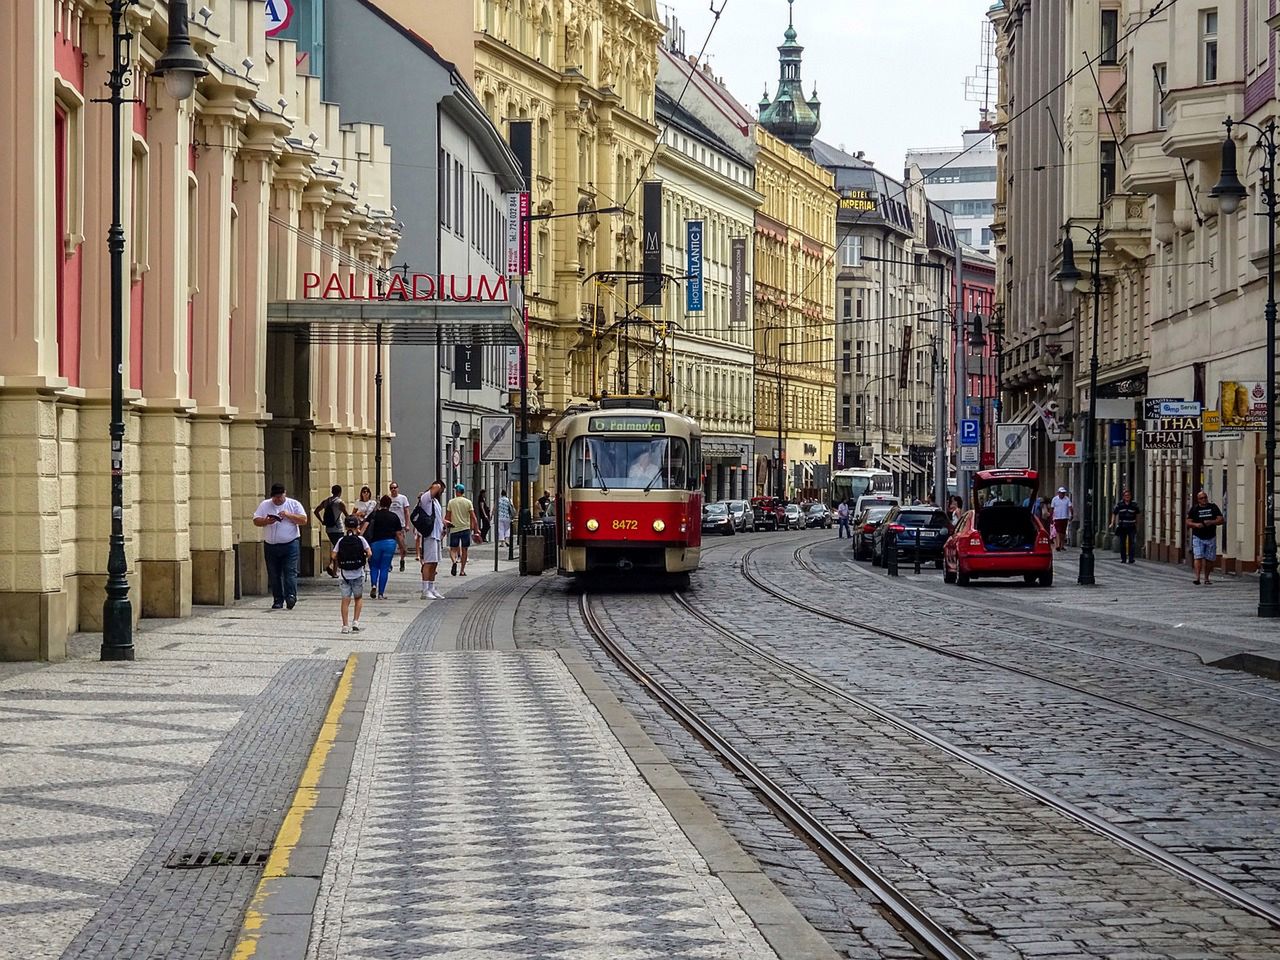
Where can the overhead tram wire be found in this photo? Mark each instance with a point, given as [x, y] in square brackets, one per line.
[1164, 6]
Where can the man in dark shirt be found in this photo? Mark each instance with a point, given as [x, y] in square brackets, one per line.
[1204, 518]
[1124, 521]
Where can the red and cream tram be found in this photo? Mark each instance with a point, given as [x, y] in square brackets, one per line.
[629, 491]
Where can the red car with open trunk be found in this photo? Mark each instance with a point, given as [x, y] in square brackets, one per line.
[1000, 536]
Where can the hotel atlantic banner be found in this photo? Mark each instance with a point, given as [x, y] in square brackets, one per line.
[693, 300]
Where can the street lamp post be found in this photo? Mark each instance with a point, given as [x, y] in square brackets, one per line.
[180, 67]
[1229, 191]
[977, 345]
[1069, 278]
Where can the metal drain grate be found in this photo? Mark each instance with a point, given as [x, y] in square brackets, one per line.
[217, 858]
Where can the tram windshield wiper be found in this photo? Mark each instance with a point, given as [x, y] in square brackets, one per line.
[656, 477]
[604, 487]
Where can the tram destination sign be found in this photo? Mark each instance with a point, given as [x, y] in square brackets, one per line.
[626, 424]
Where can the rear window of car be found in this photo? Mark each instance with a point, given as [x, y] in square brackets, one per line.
[934, 519]
[877, 513]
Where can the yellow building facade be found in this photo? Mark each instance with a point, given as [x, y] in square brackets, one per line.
[583, 72]
[794, 323]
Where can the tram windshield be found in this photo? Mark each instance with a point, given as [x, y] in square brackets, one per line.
[604, 463]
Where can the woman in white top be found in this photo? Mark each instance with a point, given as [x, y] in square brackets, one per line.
[364, 506]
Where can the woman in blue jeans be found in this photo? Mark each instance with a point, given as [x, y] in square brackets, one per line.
[385, 535]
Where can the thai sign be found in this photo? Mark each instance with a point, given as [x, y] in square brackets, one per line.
[1243, 404]
[414, 286]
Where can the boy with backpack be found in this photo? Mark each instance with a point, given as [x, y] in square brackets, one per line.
[350, 555]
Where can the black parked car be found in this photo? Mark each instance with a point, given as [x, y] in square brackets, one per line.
[716, 518]
[817, 516]
[864, 528]
[927, 526]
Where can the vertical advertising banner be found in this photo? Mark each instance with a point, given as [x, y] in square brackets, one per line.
[652, 251]
[738, 281]
[513, 234]
[693, 280]
[513, 368]
[466, 367]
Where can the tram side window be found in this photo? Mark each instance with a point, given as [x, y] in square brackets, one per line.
[600, 462]
[695, 467]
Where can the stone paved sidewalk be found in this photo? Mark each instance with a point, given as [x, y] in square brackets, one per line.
[114, 771]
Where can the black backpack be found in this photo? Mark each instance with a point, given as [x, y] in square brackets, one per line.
[423, 522]
[330, 518]
[350, 553]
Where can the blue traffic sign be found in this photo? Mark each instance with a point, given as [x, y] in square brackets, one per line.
[969, 433]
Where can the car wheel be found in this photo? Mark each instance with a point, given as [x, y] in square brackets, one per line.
[962, 578]
[875, 558]
[1046, 579]
[937, 564]
[948, 576]
[1028, 578]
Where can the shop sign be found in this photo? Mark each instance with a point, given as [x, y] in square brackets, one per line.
[1175, 425]
[1069, 451]
[1151, 405]
[415, 286]
[738, 281]
[1163, 440]
[1180, 408]
[1243, 404]
[1128, 388]
[513, 368]
[1227, 436]
[1212, 420]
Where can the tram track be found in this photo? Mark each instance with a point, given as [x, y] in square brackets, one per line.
[931, 937]
[1270, 751]
[1164, 859]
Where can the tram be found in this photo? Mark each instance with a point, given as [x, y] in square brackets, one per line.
[629, 491]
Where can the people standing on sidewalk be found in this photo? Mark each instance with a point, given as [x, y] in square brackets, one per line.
[1124, 521]
[460, 515]
[350, 555]
[955, 508]
[280, 516]
[384, 534]
[1063, 511]
[331, 514]
[400, 507]
[365, 505]
[506, 510]
[842, 520]
[428, 519]
[1204, 518]
[484, 514]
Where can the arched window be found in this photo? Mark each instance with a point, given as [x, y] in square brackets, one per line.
[545, 37]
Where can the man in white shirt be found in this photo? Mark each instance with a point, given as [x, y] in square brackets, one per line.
[281, 516]
[400, 507]
[430, 527]
[1063, 512]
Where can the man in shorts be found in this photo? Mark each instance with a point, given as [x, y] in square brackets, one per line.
[460, 514]
[428, 520]
[350, 555]
[1204, 518]
[1063, 512]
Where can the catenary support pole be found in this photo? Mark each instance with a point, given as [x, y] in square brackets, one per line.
[1269, 578]
[1086, 577]
[940, 395]
[959, 372]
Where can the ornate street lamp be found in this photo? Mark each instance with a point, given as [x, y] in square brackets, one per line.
[1069, 277]
[977, 344]
[1229, 191]
[181, 68]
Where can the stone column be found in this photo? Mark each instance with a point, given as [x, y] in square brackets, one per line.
[212, 557]
[164, 537]
[247, 360]
[33, 599]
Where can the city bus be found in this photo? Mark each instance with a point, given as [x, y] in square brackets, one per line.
[856, 482]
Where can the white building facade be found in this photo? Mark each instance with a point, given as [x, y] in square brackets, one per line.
[962, 180]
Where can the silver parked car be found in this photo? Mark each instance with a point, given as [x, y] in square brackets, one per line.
[744, 518]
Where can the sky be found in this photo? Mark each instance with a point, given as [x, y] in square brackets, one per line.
[890, 73]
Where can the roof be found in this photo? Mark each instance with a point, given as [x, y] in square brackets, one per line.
[830, 156]
[665, 106]
[714, 91]
[414, 37]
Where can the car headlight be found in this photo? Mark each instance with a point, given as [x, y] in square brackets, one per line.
[658, 526]
[593, 525]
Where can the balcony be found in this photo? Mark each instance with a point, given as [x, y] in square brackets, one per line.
[1150, 169]
[1195, 120]
[1126, 226]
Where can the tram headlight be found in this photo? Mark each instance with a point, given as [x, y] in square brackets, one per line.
[658, 526]
[593, 525]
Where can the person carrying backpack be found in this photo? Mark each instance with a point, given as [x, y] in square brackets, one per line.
[331, 513]
[350, 555]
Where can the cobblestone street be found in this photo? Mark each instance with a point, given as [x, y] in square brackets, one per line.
[1037, 772]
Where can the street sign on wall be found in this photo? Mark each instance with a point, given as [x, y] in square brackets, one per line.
[1069, 451]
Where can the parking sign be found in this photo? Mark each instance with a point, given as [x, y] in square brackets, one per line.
[969, 433]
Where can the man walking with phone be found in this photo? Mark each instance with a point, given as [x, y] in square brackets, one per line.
[1204, 518]
[280, 516]
[428, 519]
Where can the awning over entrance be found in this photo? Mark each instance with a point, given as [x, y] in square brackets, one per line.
[414, 322]
[723, 451]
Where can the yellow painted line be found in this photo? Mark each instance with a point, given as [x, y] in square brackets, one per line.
[304, 801]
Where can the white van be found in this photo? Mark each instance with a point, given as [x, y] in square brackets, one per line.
[869, 498]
